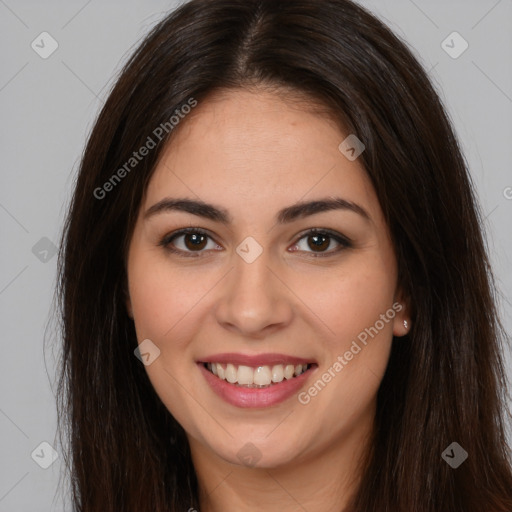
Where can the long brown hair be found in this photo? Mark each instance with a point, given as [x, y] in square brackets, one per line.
[445, 381]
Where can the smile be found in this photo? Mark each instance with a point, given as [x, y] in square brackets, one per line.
[256, 377]
[256, 381]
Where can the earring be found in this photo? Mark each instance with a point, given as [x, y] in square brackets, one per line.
[406, 324]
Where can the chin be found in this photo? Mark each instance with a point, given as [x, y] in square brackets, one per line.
[264, 453]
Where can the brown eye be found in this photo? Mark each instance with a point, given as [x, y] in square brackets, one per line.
[188, 242]
[318, 242]
[195, 241]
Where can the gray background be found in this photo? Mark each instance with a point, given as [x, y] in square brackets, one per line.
[47, 107]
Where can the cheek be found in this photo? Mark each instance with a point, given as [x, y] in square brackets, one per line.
[154, 303]
[158, 298]
[163, 308]
[355, 314]
[357, 306]
[349, 300]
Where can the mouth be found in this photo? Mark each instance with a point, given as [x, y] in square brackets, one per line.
[257, 377]
[256, 381]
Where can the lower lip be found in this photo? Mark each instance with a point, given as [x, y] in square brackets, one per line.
[240, 396]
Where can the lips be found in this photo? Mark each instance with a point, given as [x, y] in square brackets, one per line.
[255, 381]
[255, 360]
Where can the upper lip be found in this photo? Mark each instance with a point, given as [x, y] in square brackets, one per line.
[268, 359]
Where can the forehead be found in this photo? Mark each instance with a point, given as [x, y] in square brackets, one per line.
[246, 149]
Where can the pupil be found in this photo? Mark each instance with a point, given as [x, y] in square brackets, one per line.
[321, 245]
[195, 240]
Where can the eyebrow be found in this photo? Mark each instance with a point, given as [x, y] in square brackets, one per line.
[286, 215]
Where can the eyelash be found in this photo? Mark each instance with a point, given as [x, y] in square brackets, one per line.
[166, 241]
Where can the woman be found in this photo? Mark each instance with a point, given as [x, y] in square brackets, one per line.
[274, 286]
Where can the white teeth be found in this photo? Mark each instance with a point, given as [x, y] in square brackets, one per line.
[245, 375]
[262, 376]
[231, 373]
[289, 370]
[277, 373]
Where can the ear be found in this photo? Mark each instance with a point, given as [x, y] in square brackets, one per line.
[402, 320]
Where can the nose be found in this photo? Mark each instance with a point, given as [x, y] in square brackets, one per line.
[254, 300]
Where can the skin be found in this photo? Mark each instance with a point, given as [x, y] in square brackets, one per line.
[253, 153]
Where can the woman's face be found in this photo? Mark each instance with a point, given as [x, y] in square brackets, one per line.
[255, 293]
